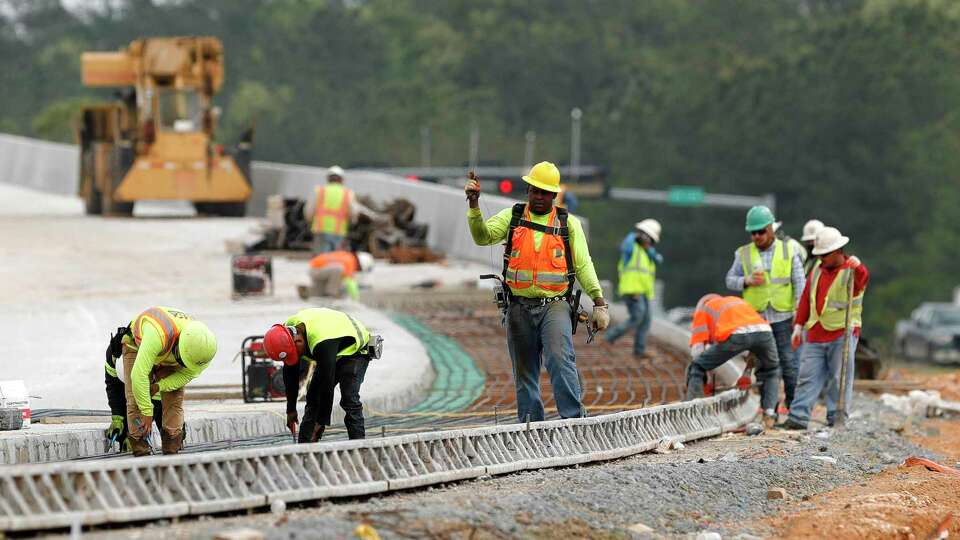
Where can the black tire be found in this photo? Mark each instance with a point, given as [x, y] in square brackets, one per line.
[115, 208]
[221, 209]
[93, 203]
[10, 419]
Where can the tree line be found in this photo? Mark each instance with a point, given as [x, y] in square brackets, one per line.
[845, 110]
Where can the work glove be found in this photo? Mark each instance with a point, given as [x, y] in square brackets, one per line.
[115, 431]
[292, 419]
[600, 318]
[141, 427]
[853, 261]
[472, 188]
[797, 338]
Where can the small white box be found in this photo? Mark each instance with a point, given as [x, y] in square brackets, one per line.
[14, 394]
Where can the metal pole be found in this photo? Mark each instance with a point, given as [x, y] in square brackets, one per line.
[531, 137]
[575, 115]
[841, 419]
[474, 146]
[424, 146]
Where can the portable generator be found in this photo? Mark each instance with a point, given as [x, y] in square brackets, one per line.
[252, 275]
[262, 377]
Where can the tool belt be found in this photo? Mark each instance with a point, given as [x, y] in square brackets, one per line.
[537, 301]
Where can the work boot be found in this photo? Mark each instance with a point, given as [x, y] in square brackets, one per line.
[303, 292]
[769, 419]
[318, 433]
[171, 443]
[792, 425]
[140, 447]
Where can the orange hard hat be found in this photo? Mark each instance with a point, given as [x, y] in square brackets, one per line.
[279, 345]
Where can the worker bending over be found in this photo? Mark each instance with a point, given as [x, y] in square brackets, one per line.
[722, 328]
[823, 312]
[341, 348]
[163, 349]
[637, 268]
[546, 250]
[332, 274]
[769, 271]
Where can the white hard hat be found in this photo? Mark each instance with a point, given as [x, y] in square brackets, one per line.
[829, 240]
[365, 260]
[651, 227]
[810, 230]
[777, 225]
[335, 171]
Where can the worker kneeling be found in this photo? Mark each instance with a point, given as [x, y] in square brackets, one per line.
[341, 348]
[333, 273]
[724, 327]
[163, 349]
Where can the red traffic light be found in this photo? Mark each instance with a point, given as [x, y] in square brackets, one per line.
[506, 186]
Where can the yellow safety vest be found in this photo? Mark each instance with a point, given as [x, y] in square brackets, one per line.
[777, 289]
[834, 313]
[638, 275]
[323, 324]
[332, 214]
[168, 323]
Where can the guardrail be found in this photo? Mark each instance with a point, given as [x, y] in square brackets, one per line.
[47, 496]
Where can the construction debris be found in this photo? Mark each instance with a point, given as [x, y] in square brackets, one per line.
[776, 493]
[388, 232]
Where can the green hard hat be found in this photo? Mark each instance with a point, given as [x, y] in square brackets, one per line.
[758, 217]
[197, 346]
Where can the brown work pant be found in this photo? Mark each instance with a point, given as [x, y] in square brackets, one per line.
[327, 281]
[171, 433]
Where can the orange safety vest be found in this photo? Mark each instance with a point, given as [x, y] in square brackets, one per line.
[332, 214]
[721, 317]
[527, 266]
[164, 322]
[343, 258]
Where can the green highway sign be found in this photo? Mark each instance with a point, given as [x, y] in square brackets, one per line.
[685, 195]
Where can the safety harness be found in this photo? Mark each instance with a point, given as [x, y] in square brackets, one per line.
[516, 220]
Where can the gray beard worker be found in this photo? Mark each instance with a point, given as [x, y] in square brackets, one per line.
[546, 249]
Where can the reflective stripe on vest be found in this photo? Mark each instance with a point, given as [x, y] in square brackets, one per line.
[163, 321]
[545, 268]
[332, 210]
[638, 275]
[833, 315]
[323, 324]
[719, 329]
[777, 290]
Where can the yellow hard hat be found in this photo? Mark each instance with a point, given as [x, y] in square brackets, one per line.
[544, 175]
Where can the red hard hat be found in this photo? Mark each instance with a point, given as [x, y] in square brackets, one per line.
[279, 344]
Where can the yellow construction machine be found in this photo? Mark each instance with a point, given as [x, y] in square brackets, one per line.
[156, 139]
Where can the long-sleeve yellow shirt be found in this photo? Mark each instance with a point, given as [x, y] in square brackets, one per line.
[150, 354]
[494, 231]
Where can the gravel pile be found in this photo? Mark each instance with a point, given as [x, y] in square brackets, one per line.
[713, 485]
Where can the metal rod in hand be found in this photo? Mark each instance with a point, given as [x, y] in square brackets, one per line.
[841, 419]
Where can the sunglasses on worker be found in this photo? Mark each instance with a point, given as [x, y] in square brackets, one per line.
[758, 232]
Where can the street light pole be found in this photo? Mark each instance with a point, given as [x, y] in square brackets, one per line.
[531, 137]
[575, 115]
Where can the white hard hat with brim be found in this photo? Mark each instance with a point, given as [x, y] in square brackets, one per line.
[829, 240]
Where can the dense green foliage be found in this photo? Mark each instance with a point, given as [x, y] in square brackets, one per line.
[846, 110]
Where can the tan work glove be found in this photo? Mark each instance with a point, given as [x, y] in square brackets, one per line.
[755, 279]
[796, 339]
[600, 317]
[142, 426]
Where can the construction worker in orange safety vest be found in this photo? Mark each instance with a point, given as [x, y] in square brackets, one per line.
[330, 212]
[545, 252]
[724, 327]
[333, 273]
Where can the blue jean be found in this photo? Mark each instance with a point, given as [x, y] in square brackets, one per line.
[767, 369]
[538, 334]
[788, 360]
[820, 366]
[639, 309]
[325, 243]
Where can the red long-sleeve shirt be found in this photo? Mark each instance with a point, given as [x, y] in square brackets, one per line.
[818, 334]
